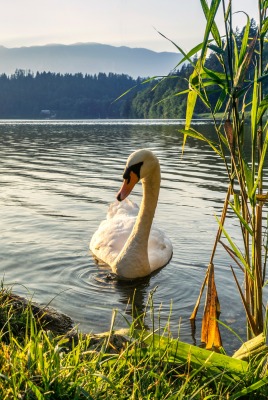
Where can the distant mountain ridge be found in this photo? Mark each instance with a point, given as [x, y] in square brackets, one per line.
[88, 58]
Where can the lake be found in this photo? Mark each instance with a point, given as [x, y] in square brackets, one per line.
[57, 181]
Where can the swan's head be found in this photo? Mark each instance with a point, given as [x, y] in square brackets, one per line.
[140, 164]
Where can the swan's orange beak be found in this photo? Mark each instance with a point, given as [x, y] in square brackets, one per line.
[127, 186]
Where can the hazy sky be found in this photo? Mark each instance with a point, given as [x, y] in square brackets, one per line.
[117, 22]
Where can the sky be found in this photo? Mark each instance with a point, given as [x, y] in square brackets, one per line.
[133, 23]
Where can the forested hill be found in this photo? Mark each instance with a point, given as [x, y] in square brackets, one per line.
[69, 96]
[47, 95]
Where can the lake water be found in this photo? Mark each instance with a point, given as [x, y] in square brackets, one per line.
[57, 180]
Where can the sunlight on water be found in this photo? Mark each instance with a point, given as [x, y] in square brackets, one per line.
[57, 180]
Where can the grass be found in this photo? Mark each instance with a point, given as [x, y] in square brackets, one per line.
[39, 363]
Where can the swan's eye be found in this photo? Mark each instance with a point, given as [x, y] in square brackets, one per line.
[136, 168]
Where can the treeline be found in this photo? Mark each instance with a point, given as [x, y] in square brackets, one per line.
[28, 95]
[53, 95]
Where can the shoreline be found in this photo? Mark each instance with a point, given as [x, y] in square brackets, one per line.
[49, 319]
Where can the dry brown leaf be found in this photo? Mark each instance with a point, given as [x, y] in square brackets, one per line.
[210, 334]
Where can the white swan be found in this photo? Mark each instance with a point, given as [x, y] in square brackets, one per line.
[127, 240]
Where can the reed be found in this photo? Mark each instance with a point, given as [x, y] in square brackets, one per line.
[239, 94]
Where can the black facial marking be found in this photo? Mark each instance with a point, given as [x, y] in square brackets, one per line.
[136, 168]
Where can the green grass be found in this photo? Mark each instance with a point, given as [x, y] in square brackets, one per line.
[37, 363]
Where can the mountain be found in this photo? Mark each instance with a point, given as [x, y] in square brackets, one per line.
[88, 58]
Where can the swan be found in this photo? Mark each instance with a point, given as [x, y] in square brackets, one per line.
[127, 240]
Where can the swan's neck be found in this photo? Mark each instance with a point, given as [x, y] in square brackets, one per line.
[133, 262]
[148, 205]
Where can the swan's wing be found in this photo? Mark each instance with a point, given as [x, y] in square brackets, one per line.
[110, 237]
[160, 248]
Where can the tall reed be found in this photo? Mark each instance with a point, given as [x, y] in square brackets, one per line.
[240, 96]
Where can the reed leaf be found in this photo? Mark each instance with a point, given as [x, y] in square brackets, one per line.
[236, 56]
[217, 78]
[244, 43]
[242, 220]
[210, 16]
[262, 108]
[220, 102]
[228, 11]
[237, 203]
[201, 94]
[186, 56]
[171, 96]
[232, 255]
[261, 163]
[193, 133]
[192, 96]
[196, 356]
[235, 249]
[247, 310]
[223, 139]
[249, 178]
[264, 28]
[191, 101]
[254, 108]
[263, 5]
[216, 49]
[243, 67]
[126, 92]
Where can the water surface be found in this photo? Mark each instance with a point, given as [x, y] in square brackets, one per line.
[57, 180]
